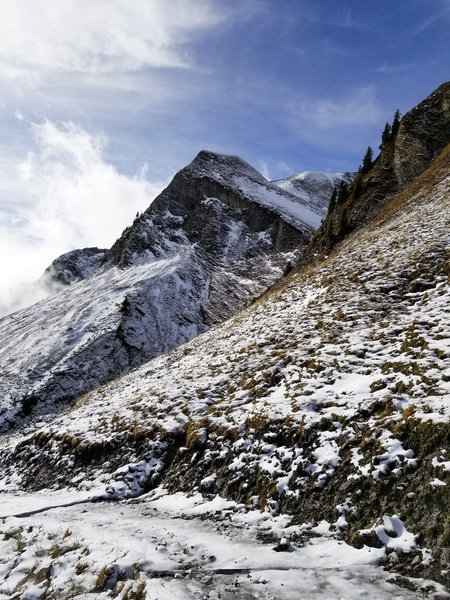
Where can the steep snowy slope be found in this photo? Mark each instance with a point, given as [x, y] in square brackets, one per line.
[215, 239]
[314, 188]
[327, 400]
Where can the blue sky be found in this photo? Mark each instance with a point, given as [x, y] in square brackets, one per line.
[102, 101]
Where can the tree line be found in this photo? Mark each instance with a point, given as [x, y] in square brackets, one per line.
[389, 133]
[342, 191]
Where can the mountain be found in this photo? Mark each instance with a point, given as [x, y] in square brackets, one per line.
[316, 418]
[68, 268]
[423, 134]
[314, 188]
[215, 239]
[71, 267]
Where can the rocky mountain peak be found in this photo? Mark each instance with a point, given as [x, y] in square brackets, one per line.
[210, 186]
[72, 267]
[67, 269]
[215, 239]
[220, 167]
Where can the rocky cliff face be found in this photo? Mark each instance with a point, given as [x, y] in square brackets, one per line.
[214, 240]
[209, 191]
[241, 228]
[423, 134]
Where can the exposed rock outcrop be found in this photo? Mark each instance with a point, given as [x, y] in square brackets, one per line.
[422, 135]
[71, 267]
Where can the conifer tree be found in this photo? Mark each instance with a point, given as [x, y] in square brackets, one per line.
[356, 188]
[385, 136]
[395, 123]
[342, 194]
[332, 203]
[367, 160]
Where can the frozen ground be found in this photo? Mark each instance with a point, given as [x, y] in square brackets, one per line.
[177, 547]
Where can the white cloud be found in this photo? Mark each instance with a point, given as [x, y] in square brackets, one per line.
[340, 122]
[441, 14]
[39, 37]
[264, 170]
[278, 166]
[89, 61]
[70, 198]
[360, 108]
[388, 69]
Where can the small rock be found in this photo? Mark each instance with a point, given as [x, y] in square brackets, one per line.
[284, 546]
[396, 567]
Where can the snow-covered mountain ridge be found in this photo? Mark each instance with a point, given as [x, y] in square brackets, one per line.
[313, 187]
[216, 238]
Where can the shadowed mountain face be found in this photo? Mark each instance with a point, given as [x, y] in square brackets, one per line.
[238, 229]
[197, 206]
[216, 238]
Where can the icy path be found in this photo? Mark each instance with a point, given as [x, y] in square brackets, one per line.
[168, 549]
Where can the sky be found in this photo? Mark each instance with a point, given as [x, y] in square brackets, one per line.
[103, 101]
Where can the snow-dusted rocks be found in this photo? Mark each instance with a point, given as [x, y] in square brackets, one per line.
[314, 188]
[169, 547]
[215, 239]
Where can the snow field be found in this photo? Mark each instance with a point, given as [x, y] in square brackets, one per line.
[164, 548]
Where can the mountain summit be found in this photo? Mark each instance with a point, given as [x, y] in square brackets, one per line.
[215, 239]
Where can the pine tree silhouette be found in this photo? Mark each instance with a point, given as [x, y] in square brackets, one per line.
[385, 136]
[395, 123]
[367, 160]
